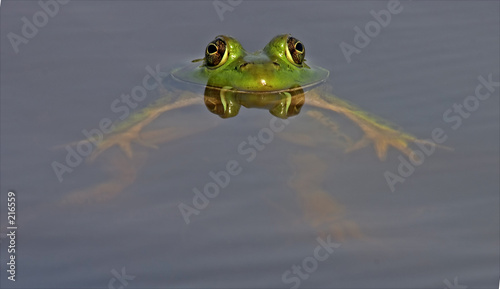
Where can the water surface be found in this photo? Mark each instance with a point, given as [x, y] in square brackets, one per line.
[441, 223]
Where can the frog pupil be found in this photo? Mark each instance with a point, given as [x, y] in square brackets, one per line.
[211, 48]
[299, 47]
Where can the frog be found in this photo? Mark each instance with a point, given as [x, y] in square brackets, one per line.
[276, 78]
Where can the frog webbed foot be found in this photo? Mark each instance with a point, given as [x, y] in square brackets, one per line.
[130, 130]
[376, 130]
[383, 138]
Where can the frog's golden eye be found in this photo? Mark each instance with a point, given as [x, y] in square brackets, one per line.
[216, 53]
[295, 51]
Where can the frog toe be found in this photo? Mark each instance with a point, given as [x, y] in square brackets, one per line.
[146, 144]
[358, 145]
[121, 140]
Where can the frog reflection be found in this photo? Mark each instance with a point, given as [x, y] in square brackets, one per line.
[227, 103]
[276, 78]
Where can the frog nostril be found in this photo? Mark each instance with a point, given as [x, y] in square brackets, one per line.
[276, 65]
[244, 64]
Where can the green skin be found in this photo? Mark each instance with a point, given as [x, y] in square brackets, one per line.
[270, 79]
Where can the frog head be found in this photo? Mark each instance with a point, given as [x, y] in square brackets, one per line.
[280, 66]
[265, 79]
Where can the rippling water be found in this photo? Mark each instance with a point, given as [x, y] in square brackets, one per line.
[116, 222]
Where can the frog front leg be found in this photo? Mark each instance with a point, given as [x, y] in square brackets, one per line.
[130, 131]
[375, 129]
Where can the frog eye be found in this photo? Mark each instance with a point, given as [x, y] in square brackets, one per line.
[215, 53]
[295, 51]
